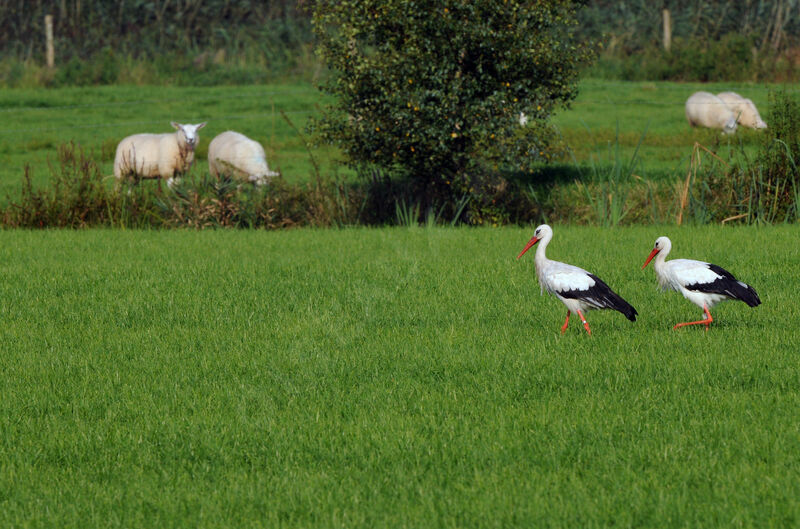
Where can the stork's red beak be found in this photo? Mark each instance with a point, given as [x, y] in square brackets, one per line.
[531, 242]
[650, 257]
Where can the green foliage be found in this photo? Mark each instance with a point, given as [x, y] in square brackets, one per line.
[104, 69]
[433, 90]
[733, 57]
[78, 196]
[633, 25]
[148, 28]
[193, 43]
[711, 39]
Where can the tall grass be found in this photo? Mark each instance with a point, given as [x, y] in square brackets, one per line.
[761, 189]
[78, 195]
[610, 183]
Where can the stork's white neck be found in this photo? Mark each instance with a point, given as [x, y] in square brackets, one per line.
[659, 262]
[661, 256]
[541, 248]
[540, 259]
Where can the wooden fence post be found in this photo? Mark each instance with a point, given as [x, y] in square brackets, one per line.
[48, 31]
[667, 29]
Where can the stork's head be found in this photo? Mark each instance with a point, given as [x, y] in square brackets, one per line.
[542, 232]
[662, 244]
[188, 133]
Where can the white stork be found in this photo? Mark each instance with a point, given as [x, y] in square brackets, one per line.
[703, 284]
[575, 287]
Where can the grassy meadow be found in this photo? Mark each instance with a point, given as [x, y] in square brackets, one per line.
[390, 378]
[609, 112]
[36, 121]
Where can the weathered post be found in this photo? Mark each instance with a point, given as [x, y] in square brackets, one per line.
[48, 32]
[667, 29]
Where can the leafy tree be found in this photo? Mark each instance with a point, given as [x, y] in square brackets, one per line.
[433, 89]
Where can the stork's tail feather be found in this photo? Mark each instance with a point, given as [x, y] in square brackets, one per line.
[747, 294]
[615, 301]
[627, 309]
[729, 286]
[608, 299]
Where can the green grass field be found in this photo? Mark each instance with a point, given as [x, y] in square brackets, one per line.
[657, 109]
[36, 121]
[390, 378]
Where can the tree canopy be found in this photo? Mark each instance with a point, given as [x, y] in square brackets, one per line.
[434, 89]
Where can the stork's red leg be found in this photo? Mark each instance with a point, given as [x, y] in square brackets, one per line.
[585, 325]
[564, 328]
[705, 322]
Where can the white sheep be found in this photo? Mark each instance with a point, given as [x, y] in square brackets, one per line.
[744, 109]
[707, 110]
[235, 154]
[157, 155]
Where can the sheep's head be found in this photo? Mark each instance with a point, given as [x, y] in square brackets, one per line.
[730, 126]
[188, 133]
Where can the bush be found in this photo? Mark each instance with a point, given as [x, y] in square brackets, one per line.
[78, 196]
[432, 91]
[732, 58]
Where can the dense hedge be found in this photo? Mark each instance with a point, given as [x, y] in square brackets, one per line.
[85, 27]
[712, 40]
[753, 40]
[636, 25]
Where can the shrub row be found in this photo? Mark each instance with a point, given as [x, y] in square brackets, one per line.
[223, 42]
[82, 29]
[734, 57]
[763, 190]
